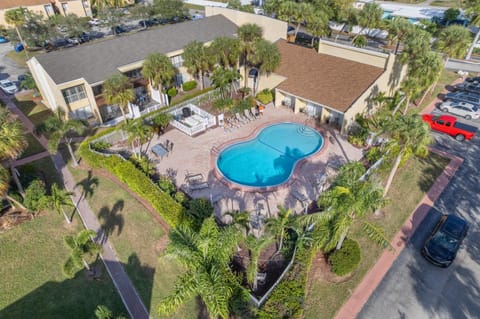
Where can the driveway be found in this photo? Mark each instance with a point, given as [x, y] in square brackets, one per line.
[8, 67]
[415, 289]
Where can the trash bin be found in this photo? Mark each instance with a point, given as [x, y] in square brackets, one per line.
[18, 47]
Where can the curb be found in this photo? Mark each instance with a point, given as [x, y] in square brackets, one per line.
[372, 279]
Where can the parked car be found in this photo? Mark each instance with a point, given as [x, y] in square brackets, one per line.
[145, 23]
[96, 34]
[8, 87]
[3, 39]
[94, 22]
[473, 87]
[448, 124]
[442, 246]
[463, 109]
[473, 79]
[468, 97]
[118, 29]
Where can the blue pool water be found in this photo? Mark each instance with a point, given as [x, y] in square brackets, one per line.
[270, 157]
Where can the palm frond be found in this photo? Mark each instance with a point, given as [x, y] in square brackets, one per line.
[376, 233]
[186, 286]
[69, 268]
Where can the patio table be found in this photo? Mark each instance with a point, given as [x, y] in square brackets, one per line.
[159, 150]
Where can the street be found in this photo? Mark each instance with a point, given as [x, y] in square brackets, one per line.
[413, 288]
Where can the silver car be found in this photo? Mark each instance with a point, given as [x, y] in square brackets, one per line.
[8, 87]
[466, 110]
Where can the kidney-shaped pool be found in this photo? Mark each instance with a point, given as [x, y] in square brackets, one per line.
[270, 158]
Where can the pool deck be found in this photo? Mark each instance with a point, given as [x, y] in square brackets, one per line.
[197, 155]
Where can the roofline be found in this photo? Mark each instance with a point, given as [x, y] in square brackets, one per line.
[349, 47]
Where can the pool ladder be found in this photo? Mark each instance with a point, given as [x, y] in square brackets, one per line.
[215, 150]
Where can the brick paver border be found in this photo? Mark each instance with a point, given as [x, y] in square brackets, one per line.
[372, 279]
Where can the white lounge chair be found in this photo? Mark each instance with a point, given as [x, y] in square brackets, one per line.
[247, 115]
[240, 118]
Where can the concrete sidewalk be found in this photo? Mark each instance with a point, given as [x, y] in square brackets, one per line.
[125, 288]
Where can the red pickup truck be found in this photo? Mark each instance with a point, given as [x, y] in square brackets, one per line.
[448, 124]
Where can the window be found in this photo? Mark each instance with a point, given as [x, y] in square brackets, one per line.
[97, 90]
[177, 61]
[82, 114]
[74, 94]
[49, 9]
[85, 4]
[65, 8]
[137, 73]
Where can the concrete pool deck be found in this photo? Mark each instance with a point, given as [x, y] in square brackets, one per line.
[196, 155]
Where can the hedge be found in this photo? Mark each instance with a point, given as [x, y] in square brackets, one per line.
[265, 96]
[171, 211]
[346, 259]
[287, 299]
[189, 85]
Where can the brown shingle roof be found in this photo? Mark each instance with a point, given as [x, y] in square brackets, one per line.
[322, 78]
[7, 4]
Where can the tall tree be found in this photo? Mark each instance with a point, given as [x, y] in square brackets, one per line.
[206, 254]
[318, 25]
[12, 144]
[16, 17]
[369, 17]
[118, 89]
[277, 225]
[198, 60]
[266, 57]
[295, 12]
[454, 41]
[248, 34]
[159, 70]
[170, 8]
[255, 247]
[350, 200]
[226, 51]
[82, 249]
[59, 128]
[407, 135]
[138, 133]
[398, 29]
[224, 80]
[58, 199]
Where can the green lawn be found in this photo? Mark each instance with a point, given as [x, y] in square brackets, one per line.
[31, 257]
[20, 58]
[33, 147]
[138, 240]
[409, 186]
[36, 112]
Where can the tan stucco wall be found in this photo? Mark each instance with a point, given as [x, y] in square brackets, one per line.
[74, 6]
[369, 57]
[388, 83]
[272, 29]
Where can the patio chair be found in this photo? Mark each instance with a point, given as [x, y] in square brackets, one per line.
[167, 144]
[240, 118]
[198, 186]
[254, 112]
[247, 115]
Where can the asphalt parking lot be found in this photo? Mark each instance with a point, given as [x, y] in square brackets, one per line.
[8, 68]
[415, 289]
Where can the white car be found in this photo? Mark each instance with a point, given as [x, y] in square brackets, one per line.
[464, 109]
[8, 87]
[94, 22]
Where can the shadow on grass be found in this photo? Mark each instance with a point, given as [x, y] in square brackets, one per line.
[432, 167]
[37, 113]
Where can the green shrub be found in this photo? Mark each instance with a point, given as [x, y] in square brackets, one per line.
[100, 146]
[189, 85]
[358, 136]
[137, 181]
[346, 259]
[180, 197]
[35, 195]
[265, 96]
[172, 92]
[144, 164]
[198, 210]
[373, 154]
[166, 185]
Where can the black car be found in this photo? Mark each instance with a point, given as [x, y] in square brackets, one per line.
[473, 87]
[119, 29]
[441, 247]
[145, 23]
[468, 97]
[473, 79]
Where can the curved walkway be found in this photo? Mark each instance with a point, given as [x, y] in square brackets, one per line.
[125, 288]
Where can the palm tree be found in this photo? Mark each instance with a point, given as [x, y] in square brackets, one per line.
[277, 225]
[408, 135]
[369, 17]
[298, 12]
[159, 70]
[241, 220]
[248, 34]
[118, 89]
[398, 29]
[226, 51]
[138, 133]
[454, 41]
[81, 247]
[360, 41]
[349, 201]
[59, 127]
[318, 25]
[255, 247]
[428, 71]
[12, 144]
[206, 254]
[198, 60]
[224, 80]
[266, 56]
[58, 199]
[17, 18]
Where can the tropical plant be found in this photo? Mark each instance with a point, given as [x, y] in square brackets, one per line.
[248, 34]
[360, 41]
[369, 17]
[241, 220]
[198, 60]
[255, 247]
[398, 29]
[226, 51]
[318, 25]
[277, 225]
[206, 254]
[58, 199]
[265, 56]
[161, 121]
[299, 12]
[224, 80]
[350, 200]
[35, 196]
[12, 144]
[82, 247]
[198, 210]
[454, 41]
[28, 82]
[138, 133]
[346, 259]
[58, 127]
[118, 90]
[159, 70]
[102, 312]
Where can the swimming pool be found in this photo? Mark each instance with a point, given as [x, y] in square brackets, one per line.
[270, 158]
